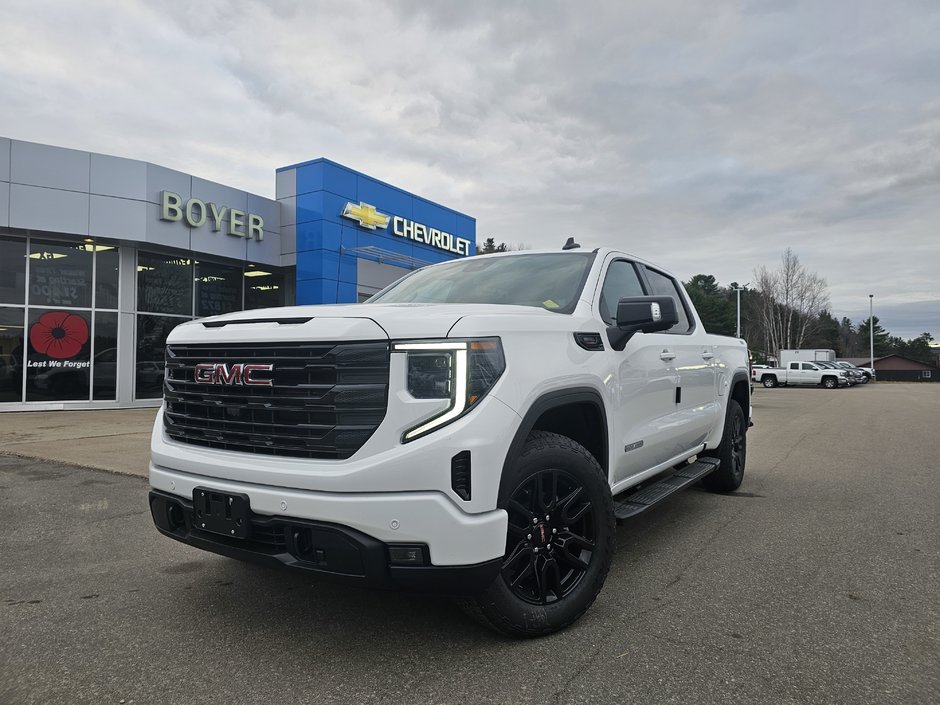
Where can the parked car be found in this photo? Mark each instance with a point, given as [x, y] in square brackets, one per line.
[865, 374]
[802, 374]
[853, 378]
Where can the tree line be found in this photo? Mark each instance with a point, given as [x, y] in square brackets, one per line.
[785, 308]
[788, 308]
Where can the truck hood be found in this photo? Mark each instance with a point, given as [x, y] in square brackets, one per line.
[341, 322]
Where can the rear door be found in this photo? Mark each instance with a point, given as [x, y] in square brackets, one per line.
[696, 405]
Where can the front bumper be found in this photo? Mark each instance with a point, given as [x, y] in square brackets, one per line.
[320, 547]
[453, 537]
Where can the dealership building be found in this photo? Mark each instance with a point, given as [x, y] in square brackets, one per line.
[101, 256]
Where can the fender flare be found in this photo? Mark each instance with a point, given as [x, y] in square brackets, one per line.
[552, 400]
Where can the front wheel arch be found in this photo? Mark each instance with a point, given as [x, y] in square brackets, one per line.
[544, 415]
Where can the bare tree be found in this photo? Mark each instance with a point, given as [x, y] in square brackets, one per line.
[790, 302]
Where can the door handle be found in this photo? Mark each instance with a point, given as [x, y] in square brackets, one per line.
[707, 355]
[667, 355]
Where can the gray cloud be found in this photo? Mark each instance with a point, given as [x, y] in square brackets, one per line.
[708, 137]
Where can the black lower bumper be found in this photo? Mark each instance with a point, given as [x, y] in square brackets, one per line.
[318, 547]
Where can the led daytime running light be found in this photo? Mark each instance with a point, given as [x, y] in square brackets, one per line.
[460, 387]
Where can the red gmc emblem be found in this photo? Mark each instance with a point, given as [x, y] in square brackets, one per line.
[236, 373]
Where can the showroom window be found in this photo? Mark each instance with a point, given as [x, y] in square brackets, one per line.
[267, 286]
[218, 288]
[172, 289]
[49, 309]
[164, 284]
[11, 354]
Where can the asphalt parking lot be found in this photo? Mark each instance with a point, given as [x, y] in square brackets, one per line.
[818, 582]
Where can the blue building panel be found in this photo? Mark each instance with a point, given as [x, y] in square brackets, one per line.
[346, 293]
[434, 215]
[324, 175]
[320, 205]
[347, 269]
[318, 235]
[386, 198]
[317, 291]
[318, 264]
[329, 245]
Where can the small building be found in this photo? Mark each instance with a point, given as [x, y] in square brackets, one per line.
[898, 368]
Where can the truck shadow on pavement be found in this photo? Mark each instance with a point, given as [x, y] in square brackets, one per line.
[318, 609]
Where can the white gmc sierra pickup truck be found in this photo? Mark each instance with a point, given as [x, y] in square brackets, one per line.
[478, 427]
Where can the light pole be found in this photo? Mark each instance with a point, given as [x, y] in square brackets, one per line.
[737, 328]
[871, 333]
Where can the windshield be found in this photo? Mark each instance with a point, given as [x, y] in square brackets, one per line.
[547, 280]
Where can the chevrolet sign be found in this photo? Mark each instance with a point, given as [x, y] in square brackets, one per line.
[368, 217]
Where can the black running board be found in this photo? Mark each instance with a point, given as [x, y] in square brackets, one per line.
[639, 502]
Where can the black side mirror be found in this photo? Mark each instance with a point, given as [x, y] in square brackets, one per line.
[642, 314]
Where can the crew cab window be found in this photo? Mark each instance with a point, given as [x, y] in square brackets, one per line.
[807, 366]
[621, 281]
[662, 285]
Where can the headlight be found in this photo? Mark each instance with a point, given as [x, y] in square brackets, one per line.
[459, 370]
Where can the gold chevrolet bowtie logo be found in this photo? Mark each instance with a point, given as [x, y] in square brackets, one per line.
[367, 216]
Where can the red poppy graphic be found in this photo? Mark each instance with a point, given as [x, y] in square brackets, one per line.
[59, 335]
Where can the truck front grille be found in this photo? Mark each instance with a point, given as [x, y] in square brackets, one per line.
[324, 400]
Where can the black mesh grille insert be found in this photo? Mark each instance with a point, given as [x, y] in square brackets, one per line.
[325, 400]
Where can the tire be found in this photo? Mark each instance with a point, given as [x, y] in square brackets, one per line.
[830, 382]
[553, 568]
[732, 452]
[769, 381]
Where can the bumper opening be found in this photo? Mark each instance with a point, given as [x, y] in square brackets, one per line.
[328, 549]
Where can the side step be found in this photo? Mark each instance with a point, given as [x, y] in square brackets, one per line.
[644, 499]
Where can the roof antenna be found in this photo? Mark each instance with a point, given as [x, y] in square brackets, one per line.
[571, 245]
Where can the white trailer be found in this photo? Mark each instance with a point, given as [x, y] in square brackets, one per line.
[785, 357]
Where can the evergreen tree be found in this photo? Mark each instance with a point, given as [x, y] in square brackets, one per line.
[917, 348]
[489, 246]
[826, 334]
[848, 338]
[712, 303]
[881, 338]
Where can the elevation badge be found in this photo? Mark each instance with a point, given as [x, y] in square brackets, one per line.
[366, 215]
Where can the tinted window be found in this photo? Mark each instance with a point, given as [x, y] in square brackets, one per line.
[11, 353]
[549, 281]
[106, 276]
[807, 366]
[104, 369]
[164, 284]
[152, 332]
[661, 285]
[59, 274]
[218, 289]
[621, 281]
[12, 270]
[264, 287]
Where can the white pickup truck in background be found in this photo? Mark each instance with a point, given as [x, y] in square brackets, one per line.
[802, 374]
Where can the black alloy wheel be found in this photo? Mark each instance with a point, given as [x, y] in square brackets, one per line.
[560, 538]
[738, 446]
[732, 452]
[550, 541]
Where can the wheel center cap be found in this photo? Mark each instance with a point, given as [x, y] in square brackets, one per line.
[542, 534]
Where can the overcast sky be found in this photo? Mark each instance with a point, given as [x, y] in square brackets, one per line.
[704, 136]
